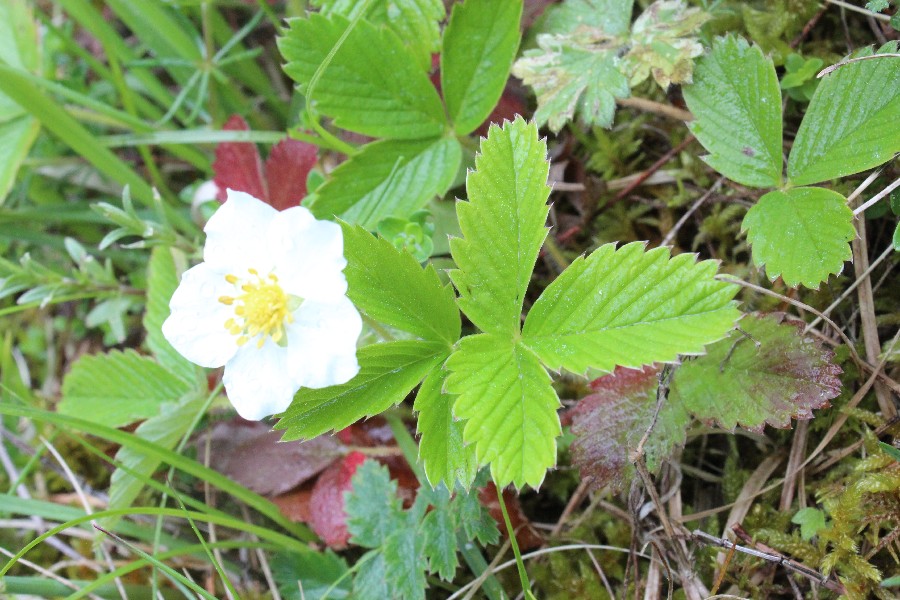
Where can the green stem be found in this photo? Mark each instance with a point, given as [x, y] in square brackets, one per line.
[523, 574]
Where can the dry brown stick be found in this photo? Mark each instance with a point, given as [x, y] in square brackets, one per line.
[795, 458]
[666, 110]
[653, 169]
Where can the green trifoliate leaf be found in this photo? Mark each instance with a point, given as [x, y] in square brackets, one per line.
[442, 449]
[736, 102]
[610, 16]
[503, 227]
[388, 372]
[388, 178]
[162, 279]
[509, 406]
[851, 122]
[165, 430]
[769, 378]
[390, 286]
[800, 234]
[479, 46]
[609, 423]
[119, 388]
[629, 307]
[372, 85]
[576, 72]
[662, 43]
[416, 22]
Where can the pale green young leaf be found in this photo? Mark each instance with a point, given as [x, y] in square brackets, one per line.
[165, 430]
[612, 17]
[388, 178]
[442, 449]
[629, 307]
[509, 407]
[768, 378]
[416, 22]
[390, 286]
[162, 279]
[371, 86]
[574, 73]
[118, 388]
[851, 122]
[800, 234]
[811, 521]
[503, 226]
[388, 372]
[479, 46]
[736, 102]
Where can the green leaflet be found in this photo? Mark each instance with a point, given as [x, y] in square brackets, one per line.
[388, 178]
[390, 286]
[629, 307]
[479, 46]
[442, 449]
[388, 372]
[439, 534]
[162, 279]
[502, 225]
[509, 406]
[800, 234]
[318, 571]
[371, 86]
[373, 508]
[736, 101]
[610, 16]
[118, 388]
[851, 123]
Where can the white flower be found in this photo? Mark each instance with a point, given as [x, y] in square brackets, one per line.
[268, 302]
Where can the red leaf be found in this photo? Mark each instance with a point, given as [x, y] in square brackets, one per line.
[287, 167]
[526, 535]
[326, 504]
[238, 165]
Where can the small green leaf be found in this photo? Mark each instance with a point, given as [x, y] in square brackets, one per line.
[896, 239]
[479, 46]
[509, 406]
[811, 521]
[162, 279]
[165, 430]
[439, 535]
[404, 558]
[851, 122]
[503, 226]
[441, 447]
[118, 388]
[388, 372]
[474, 519]
[628, 307]
[800, 234]
[388, 178]
[736, 102]
[371, 581]
[770, 377]
[374, 510]
[373, 84]
[316, 571]
[390, 286]
[890, 451]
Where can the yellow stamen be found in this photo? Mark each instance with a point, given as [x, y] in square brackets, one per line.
[261, 310]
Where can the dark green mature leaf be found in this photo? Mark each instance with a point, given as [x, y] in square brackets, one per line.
[162, 279]
[479, 46]
[118, 388]
[374, 510]
[509, 406]
[391, 286]
[628, 307]
[609, 423]
[316, 572]
[739, 384]
[371, 581]
[442, 448]
[439, 535]
[404, 558]
[474, 519]
[372, 85]
[388, 178]
[388, 372]
[851, 122]
[736, 101]
[800, 234]
[503, 227]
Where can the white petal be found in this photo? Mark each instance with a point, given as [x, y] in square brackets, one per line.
[236, 234]
[196, 325]
[309, 255]
[322, 343]
[257, 381]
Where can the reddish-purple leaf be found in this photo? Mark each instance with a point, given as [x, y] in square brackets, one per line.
[770, 377]
[326, 505]
[238, 165]
[252, 455]
[609, 424]
[287, 167]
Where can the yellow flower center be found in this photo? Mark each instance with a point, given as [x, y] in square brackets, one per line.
[261, 310]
